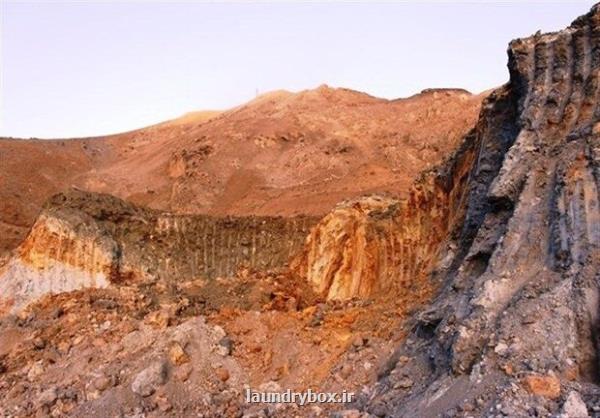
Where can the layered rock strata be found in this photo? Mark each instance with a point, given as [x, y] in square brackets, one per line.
[92, 240]
[514, 329]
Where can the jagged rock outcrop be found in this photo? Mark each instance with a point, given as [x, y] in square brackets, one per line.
[58, 255]
[353, 251]
[514, 328]
[92, 240]
[375, 244]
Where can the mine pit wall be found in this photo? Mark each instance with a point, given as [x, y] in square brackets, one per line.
[209, 247]
[56, 256]
[377, 245]
[91, 240]
[533, 218]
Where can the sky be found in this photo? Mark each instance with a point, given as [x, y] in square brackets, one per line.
[83, 68]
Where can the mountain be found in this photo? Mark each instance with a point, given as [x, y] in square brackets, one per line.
[280, 154]
[435, 256]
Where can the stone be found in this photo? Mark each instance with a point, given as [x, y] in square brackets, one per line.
[404, 383]
[346, 370]
[225, 346]
[574, 407]
[357, 342]
[158, 319]
[468, 407]
[64, 347]
[48, 397]
[547, 386]
[177, 355]
[508, 369]
[219, 332]
[148, 380]
[39, 343]
[51, 356]
[102, 383]
[98, 342]
[260, 413]
[501, 349]
[316, 410]
[269, 386]
[347, 413]
[183, 372]
[402, 360]
[163, 403]
[291, 304]
[35, 370]
[91, 395]
[57, 313]
[222, 373]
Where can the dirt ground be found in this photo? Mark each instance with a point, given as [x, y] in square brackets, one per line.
[79, 353]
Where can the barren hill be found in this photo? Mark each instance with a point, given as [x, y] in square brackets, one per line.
[280, 154]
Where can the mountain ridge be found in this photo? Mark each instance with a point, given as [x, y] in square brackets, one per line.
[316, 147]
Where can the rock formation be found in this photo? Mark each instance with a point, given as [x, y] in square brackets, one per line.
[377, 244]
[513, 330]
[481, 278]
[92, 240]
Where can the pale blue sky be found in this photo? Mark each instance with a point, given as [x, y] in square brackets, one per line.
[91, 68]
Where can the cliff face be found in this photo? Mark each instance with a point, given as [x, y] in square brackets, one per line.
[57, 256]
[513, 330]
[374, 245]
[91, 240]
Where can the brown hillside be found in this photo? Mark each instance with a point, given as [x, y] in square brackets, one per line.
[315, 147]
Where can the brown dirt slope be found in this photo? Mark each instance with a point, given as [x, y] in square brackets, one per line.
[280, 154]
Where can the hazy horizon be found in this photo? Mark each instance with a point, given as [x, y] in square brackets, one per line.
[96, 68]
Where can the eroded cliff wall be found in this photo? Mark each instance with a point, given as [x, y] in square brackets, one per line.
[376, 244]
[513, 331]
[91, 240]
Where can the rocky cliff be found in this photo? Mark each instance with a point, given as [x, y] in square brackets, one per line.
[375, 245]
[513, 330]
[92, 240]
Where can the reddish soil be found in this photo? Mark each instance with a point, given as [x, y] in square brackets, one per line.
[280, 154]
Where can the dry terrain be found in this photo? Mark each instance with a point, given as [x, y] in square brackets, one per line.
[281, 154]
[439, 255]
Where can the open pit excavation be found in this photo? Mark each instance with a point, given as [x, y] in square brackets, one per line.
[469, 288]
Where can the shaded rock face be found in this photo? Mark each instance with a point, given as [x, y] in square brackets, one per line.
[92, 240]
[519, 301]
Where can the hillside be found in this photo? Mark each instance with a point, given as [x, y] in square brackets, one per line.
[280, 154]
